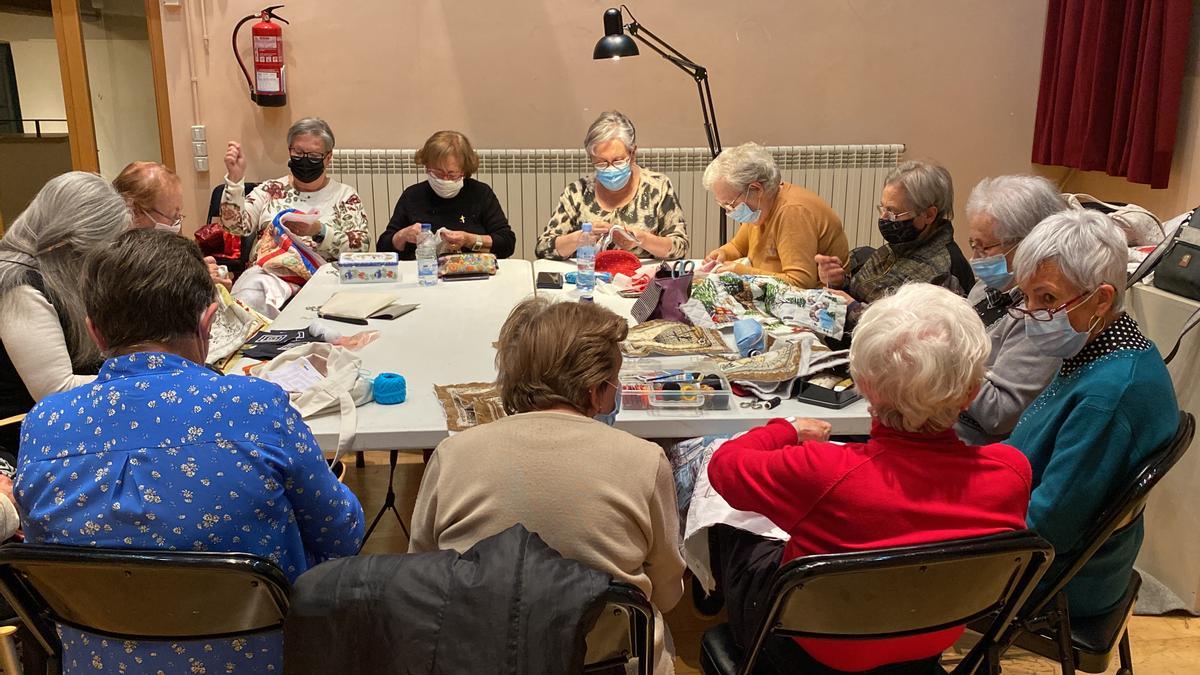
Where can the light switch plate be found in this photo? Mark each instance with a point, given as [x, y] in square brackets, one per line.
[201, 163]
[199, 149]
[198, 133]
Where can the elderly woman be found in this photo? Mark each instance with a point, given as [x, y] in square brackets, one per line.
[167, 455]
[919, 359]
[44, 342]
[641, 201]
[1111, 405]
[155, 196]
[1000, 212]
[788, 225]
[463, 211]
[558, 365]
[327, 215]
[915, 211]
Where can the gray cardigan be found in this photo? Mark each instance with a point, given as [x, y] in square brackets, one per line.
[1016, 373]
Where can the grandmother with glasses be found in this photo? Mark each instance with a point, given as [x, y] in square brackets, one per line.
[1105, 412]
[620, 193]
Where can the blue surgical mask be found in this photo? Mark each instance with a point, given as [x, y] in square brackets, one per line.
[610, 417]
[993, 271]
[1056, 337]
[614, 178]
[743, 214]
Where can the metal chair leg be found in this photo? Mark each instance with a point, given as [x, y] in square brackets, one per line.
[1062, 630]
[1126, 655]
[8, 651]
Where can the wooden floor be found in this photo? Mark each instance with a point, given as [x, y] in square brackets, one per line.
[1161, 645]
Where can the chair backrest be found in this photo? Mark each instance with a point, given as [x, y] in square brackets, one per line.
[143, 595]
[624, 630]
[1124, 509]
[905, 591]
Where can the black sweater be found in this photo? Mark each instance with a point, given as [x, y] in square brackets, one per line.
[474, 209]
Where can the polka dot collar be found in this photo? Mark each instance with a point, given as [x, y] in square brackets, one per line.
[1122, 334]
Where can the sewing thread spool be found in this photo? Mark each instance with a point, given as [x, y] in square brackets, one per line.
[390, 388]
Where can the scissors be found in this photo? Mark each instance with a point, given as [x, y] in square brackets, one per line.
[683, 268]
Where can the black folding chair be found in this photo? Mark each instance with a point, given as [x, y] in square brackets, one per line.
[1045, 626]
[238, 265]
[629, 618]
[140, 595]
[893, 593]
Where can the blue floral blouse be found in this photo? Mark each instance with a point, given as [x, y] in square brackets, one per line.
[162, 453]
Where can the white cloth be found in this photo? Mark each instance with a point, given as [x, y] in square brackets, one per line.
[262, 291]
[10, 520]
[34, 340]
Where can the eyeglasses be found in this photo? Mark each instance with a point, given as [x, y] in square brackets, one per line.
[982, 251]
[888, 214]
[177, 221]
[728, 206]
[445, 175]
[1042, 314]
[615, 164]
[314, 156]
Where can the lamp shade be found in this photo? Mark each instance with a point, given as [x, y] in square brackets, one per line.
[615, 42]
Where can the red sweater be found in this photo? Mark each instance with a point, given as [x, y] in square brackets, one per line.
[897, 489]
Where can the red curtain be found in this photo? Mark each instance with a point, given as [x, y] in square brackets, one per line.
[1112, 74]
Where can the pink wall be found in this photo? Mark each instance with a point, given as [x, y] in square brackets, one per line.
[955, 80]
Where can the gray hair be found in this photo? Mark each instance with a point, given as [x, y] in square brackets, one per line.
[1016, 204]
[1088, 247]
[918, 356]
[610, 126]
[741, 166]
[71, 215]
[927, 184]
[314, 126]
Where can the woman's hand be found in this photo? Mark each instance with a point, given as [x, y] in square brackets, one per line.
[457, 240]
[626, 239]
[830, 271]
[811, 430]
[405, 236]
[716, 254]
[235, 162]
[214, 272]
[303, 224]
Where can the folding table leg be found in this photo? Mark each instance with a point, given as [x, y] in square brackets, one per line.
[389, 500]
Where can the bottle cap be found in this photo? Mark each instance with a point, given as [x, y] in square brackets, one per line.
[586, 227]
[426, 226]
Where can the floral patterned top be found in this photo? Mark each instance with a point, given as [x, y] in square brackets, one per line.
[162, 453]
[341, 212]
[654, 209]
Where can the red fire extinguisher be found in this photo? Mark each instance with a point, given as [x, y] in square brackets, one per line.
[269, 86]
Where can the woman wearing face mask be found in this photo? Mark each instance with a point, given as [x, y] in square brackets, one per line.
[155, 197]
[558, 367]
[787, 226]
[915, 213]
[1000, 213]
[641, 201]
[339, 225]
[1110, 406]
[463, 211]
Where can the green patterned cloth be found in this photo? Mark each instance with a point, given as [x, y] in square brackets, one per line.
[780, 307]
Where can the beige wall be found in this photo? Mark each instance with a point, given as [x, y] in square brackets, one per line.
[954, 80]
[35, 59]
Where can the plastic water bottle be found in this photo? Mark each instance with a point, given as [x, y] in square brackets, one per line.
[585, 260]
[427, 265]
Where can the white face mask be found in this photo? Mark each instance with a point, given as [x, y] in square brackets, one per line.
[173, 228]
[445, 189]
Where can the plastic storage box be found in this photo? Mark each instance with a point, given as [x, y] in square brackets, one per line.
[368, 268]
[647, 384]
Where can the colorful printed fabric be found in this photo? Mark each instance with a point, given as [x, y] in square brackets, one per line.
[671, 338]
[162, 453]
[780, 307]
[654, 209]
[466, 263]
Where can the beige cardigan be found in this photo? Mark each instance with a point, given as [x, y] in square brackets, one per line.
[593, 493]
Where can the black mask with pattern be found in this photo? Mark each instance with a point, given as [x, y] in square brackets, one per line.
[306, 170]
[898, 231]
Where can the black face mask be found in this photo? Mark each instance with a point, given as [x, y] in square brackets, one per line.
[898, 231]
[306, 170]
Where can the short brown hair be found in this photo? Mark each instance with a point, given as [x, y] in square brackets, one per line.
[147, 286]
[140, 183]
[444, 144]
[554, 353]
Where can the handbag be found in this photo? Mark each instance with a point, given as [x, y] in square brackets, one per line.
[1178, 271]
[1141, 227]
[670, 288]
[466, 264]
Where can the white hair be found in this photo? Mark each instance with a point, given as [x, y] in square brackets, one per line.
[1087, 246]
[71, 215]
[313, 126]
[927, 184]
[610, 126]
[741, 166]
[1016, 204]
[919, 356]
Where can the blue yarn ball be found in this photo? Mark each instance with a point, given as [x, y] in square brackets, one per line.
[390, 388]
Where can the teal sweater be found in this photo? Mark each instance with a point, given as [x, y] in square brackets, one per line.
[1084, 437]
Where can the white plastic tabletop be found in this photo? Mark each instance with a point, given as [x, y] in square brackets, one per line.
[853, 419]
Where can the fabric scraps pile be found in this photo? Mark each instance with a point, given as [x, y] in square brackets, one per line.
[781, 308]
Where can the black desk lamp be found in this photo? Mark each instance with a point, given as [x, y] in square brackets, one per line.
[616, 44]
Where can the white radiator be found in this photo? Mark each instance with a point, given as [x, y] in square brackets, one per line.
[529, 182]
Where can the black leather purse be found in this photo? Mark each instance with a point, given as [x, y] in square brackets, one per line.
[1179, 270]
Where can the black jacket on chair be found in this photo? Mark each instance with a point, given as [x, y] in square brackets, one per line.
[510, 604]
